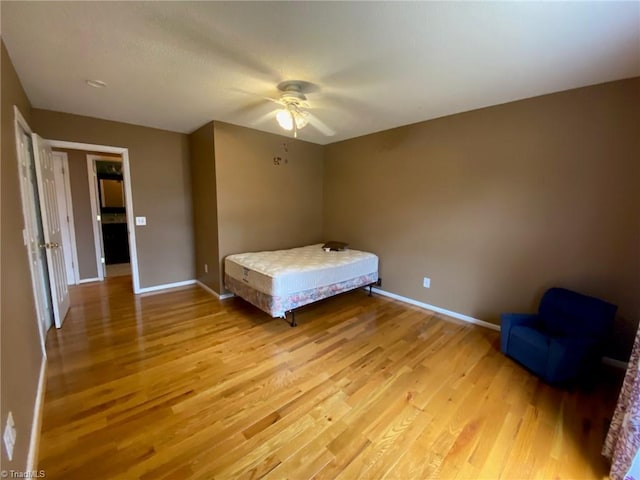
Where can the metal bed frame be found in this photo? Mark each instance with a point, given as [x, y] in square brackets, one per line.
[293, 323]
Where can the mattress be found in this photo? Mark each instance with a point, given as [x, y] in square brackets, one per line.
[282, 272]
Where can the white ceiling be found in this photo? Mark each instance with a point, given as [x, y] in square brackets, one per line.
[179, 65]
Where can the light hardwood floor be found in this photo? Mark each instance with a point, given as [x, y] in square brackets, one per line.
[118, 269]
[180, 385]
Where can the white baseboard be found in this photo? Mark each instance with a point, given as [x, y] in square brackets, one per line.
[89, 280]
[612, 362]
[426, 306]
[213, 292]
[34, 442]
[167, 286]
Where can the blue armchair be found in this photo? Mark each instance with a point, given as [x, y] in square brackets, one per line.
[563, 339]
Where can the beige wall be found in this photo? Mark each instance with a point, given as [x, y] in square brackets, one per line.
[20, 341]
[205, 209]
[161, 184]
[262, 206]
[498, 204]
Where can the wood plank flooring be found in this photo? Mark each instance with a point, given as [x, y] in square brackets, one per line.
[180, 385]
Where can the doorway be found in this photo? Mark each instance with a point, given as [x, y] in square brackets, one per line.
[107, 216]
[106, 182]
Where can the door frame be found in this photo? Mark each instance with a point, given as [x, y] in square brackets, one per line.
[124, 154]
[28, 210]
[96, 215]
[94, 194]
[69, 225]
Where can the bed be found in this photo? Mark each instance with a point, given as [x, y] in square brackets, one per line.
[280, 281]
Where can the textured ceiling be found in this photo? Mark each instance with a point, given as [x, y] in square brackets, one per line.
[179, 65]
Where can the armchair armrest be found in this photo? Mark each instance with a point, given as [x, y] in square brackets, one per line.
[569, 356]
[510, 320]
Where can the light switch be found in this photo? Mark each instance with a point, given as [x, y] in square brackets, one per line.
[141, 221]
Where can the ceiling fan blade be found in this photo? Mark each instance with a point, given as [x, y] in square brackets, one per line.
[264, 118]
[274, 100]
[248, 109]
[319, 125]
[255, 95]
[195, 31]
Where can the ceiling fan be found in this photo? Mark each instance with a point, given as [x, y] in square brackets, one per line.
[294, 114]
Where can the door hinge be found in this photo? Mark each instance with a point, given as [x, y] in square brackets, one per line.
[102, 259]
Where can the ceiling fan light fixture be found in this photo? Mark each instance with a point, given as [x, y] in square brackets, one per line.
[300, 119]
[287, 116]
[293, 114]
[285, 119]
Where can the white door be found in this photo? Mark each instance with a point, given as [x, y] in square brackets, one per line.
[33, 234]
[65, 212]
[51, 226]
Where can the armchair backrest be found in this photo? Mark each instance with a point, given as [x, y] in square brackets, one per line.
[566, 313]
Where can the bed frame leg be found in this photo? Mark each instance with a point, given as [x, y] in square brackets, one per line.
[293, 319]
[370, 287]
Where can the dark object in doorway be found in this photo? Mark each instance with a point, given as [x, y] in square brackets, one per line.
[116, 243]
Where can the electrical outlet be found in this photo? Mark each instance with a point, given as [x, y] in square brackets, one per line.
[206, 268]
[9, 436]
[141, 221]
[426, 282]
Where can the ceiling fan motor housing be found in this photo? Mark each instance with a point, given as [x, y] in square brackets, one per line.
[293, 97]
[293, 92]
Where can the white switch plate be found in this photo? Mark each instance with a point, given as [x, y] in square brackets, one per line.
[426, 282]
[141, 221]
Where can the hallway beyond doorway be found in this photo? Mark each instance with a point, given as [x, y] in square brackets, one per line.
[118, 269]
